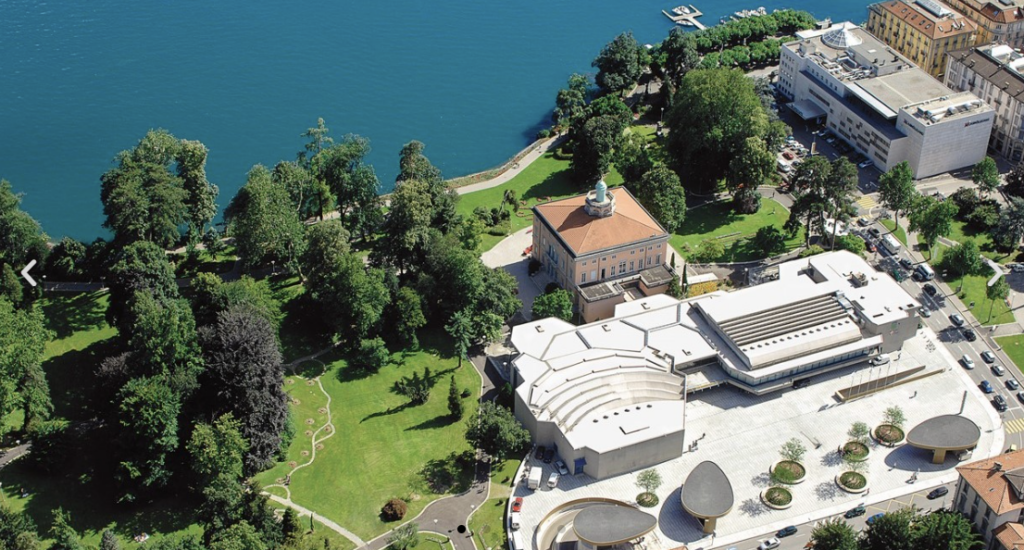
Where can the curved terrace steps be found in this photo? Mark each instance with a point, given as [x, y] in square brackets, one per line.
[555, 398]
[615, 401]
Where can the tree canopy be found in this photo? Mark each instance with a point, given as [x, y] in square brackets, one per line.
[896, 189]
[620, 64]
[553, 304]
[265, 225]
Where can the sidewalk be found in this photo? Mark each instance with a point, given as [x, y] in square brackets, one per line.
[537, 152]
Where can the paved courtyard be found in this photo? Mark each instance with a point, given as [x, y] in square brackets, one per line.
[742, 434]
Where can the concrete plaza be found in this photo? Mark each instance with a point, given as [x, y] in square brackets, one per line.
[743, 434]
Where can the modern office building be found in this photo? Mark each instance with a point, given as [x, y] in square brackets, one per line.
[603, 247]
[610, 395]
[1000, 21]
[993, 73]
[990, 493]
[922, 30]
[875, 99]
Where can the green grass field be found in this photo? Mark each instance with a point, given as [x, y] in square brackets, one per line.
[488, 524]
[385, 448]
[717, 220]
[898, 232]
[974, 287]
[320, 532]
[1014, 348]
[546, 177]
[309, 413]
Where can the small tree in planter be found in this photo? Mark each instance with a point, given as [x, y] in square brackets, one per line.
[649, 481]
[789, 469]
[856, 449]
[853, 479]
[793, 450]
[859, 432]
[890, 431]
[894, 416]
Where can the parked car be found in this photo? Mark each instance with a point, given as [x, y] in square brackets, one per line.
[938, 492]
[967, 362]
[986, 386]
[880, 359]
[539, 455]
[1012, 384]
[907, 263]
[988, 356]
[786, 531]
[875, 232]
[788, 154]
[560, 466]
[956, 319]
[854, 512]
[549, 455]
[998, 370]
[925, 312]
[970, 335]
[999, 402]
[769, 544]
[553, 480]
[1018, 268]
[871, 520]
[866, 164]
[1020, 396]
[517, 504]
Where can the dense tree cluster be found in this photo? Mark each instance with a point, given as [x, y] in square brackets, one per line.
[904, 529]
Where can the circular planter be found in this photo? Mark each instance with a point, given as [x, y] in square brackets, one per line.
[858, 483]
[798, 471]
[889, 435]
[647, 500]
[783, 498]
[855, 451]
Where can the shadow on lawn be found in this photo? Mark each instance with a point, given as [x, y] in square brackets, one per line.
[434, 423]
[73, 384]
[85, 489]
[451, 474]
[68, 314]
[390, 411]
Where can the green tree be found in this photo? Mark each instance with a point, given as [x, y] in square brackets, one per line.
[140, 267]
[620, 64]
[23, 338]
[712, 115]
[571, 102]
[553, 304]
[354, 184]
[944, 529]
[404, 537]
[663, 196]
[963, 258]
[164, 342]
[372, 355]
[63, 534]
[200, 195]
[853, 243]
[752, 167]
[308, 194]
[998, 290]
[675, 288]
[678, 55]
[495, 430]
[986, 175]
[11, 287]
[896, 189]
[290, 525]
[769, 240]
[460, 328]
[595, 142]
[414, 165]
[454, 400]
[859, 431]
[17, 530]
[894, 415]
[21, 237]
[148, 416]
[1010, 229]
[406, 231]
[648, 480]
[265, 225]
[834, 534]
[406, 317]
[217, 452]
[240, 536]
[65, 262]
[891, 531]
[838, 193]
[708, 251]
[351, 297]
[1015, 181]
[633, 158]
[932, 219]
[793, 450]
[109, 541]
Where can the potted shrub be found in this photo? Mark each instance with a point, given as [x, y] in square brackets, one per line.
[790, 470]
[649, 481]
[890, 431]
[856, 448]
[777, 497]
[853, 480]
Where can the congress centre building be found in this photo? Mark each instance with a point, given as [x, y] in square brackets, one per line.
[610, 396]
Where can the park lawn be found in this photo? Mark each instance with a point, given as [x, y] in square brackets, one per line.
[1014, 348]
[961, 232]
[718, 219]
[320, 531]
[302, 331]
[974, 287]
[545, 178]
[488, 524]
[898, 232]
[308, 407]
[385, 446]
[501, 475]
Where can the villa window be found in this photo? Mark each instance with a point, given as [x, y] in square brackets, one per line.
[583, 277]
[622, 266]
[631, 268]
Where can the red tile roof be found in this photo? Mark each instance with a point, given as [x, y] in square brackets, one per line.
[584, 234]
[996, 486]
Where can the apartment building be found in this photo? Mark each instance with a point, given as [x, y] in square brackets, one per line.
[922, 30]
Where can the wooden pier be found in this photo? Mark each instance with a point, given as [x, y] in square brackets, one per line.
[689, 18]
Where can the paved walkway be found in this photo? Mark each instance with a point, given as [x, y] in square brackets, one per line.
[330, 524]
[14, 453]
[537, 152]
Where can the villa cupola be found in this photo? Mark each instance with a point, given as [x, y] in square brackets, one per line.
[600, 202]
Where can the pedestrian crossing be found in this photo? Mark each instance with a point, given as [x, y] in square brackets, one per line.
[1014, 426]
[867, 202]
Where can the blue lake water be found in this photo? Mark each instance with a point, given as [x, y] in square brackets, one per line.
[80, 81]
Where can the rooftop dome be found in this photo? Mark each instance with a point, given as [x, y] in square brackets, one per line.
[840, 38]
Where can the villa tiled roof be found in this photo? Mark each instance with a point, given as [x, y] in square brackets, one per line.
[1010, 535]
[585, 234]
[996, 486]
[926, 23]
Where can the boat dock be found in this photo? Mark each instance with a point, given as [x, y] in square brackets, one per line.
[688, 20]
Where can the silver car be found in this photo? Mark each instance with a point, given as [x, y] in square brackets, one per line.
[967, 362]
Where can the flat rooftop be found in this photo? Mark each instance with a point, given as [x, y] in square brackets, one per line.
[902, 88]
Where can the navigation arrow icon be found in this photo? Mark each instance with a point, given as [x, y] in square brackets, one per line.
[24, 273]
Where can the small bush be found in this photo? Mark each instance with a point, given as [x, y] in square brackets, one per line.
[544, 133]
[466, 393]
[534, 267]
[394, 510]
[811, 251]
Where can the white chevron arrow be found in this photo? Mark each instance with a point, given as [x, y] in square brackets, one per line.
[24, 273]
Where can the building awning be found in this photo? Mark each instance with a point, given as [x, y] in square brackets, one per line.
[807, 109]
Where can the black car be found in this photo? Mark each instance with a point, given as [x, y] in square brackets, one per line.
[930, 289]
[970, 335]
[786, 531]
[549, 455]
[875, 232]
[539, 455]
[999, 402]
[854, 512]
[906, 263]
[938, 492]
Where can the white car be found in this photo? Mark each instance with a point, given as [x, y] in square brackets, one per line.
[560, 466]
[967, 362]
[880, 360]
[769, 544]
[553, 480]
[866, 163]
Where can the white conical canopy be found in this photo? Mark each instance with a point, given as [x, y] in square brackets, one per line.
[840, 38]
